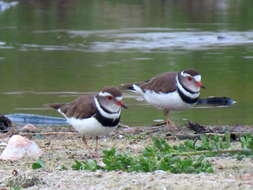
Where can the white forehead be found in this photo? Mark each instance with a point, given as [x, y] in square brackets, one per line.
[197, 77]
[185, 74]
[119, 98]
[104, 94]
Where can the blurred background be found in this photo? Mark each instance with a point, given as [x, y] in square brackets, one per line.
[53, 51]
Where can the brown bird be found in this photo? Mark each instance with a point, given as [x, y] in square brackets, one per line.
[96, 115]
[170, 91]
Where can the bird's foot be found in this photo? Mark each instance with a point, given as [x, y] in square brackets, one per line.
[159, 122]
[170, 125]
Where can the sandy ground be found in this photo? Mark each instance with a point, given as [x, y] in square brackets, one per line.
[61, 151]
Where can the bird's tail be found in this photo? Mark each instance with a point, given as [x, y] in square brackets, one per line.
[132, 87]
[55, 106]
[127, 86]
[216, 101]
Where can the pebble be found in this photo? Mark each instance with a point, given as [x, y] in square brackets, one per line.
[30, 128]
[98, 174]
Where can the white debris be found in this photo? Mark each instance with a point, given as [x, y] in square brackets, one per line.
[18, 147]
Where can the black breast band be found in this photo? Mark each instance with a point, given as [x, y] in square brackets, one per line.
[106, 122]
[187, 99]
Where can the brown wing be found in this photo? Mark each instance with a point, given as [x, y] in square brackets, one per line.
[165, 82]
[80, 108]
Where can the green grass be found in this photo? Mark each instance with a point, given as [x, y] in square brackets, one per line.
[188, 157]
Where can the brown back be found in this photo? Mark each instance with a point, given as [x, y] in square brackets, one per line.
[80, 108]
[165, 82]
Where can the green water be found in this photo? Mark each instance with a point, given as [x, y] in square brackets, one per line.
[51, 51]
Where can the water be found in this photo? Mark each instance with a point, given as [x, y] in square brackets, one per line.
[53, 51]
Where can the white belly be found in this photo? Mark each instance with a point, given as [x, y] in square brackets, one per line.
[89, 127]
[171, 101]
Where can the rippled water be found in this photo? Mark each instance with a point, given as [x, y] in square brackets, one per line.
[138, 39]
[56, 51]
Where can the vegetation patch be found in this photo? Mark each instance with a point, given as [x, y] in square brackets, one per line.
[188, 157]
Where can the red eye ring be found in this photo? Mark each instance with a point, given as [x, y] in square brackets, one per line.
[109, 97]
[189, 78]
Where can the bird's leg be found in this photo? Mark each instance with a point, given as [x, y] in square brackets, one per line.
[169, 123]
[166, 122]
[85, 142]
[91, 153]
[96, 143]
[95, 154]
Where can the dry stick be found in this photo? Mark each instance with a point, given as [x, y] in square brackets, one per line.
[49, 133]
[213, 151]
[193, 136]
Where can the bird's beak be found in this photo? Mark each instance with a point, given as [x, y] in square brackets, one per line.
[199, 84]
[121, 104]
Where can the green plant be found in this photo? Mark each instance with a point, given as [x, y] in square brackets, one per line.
[38, 164]
[16, 188]
[188, 157]
[247, 141]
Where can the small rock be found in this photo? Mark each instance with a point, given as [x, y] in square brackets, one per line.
[129, 130]
[120, 136]
[101, 164]
[160, 172]
[29, 128]
[99, 174]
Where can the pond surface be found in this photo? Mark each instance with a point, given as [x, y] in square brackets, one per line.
[53, 51]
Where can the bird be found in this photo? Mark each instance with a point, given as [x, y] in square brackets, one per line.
[170, 91]
[94, 115]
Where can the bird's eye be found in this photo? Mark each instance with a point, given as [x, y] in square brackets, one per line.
[109, 97]
[189, 78]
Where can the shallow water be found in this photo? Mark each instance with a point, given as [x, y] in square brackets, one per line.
[53, 51]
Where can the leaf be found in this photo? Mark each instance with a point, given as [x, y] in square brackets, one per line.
[38, 164]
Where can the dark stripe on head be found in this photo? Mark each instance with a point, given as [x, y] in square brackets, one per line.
[191, 72]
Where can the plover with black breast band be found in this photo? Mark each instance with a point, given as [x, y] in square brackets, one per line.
[94, 115]
[170, 91]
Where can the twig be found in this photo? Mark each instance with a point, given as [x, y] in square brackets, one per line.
[49, 133]
[194, 136]
[213, 152]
